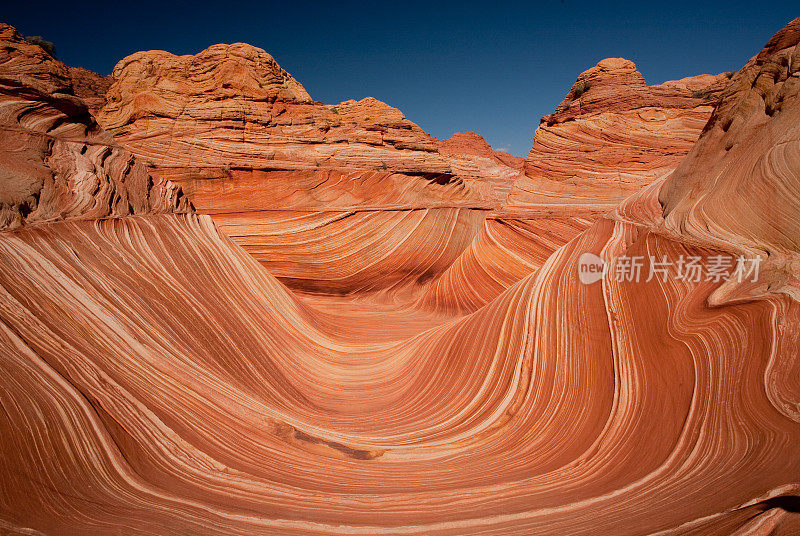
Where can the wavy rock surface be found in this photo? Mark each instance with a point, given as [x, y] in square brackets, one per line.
[56, 162]
[504, 251]
[231, 107]
[738, 187]
[610, 136]
[157, 379]
[472, 427]
[247, 145]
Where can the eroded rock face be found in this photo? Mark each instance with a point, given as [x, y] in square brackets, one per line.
[500, 168]
[610, 136]
[90, 87]
[247, 144]
[737, 188]
[231, 107]
[56, 162]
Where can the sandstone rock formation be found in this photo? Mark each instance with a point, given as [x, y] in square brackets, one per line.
[157, 379]
[723, 195]
[610, 136]
[231, 107]
[90, 87]
[499, 167]
[247, 144]
[504, 251]
[470, 143]
[56, 162]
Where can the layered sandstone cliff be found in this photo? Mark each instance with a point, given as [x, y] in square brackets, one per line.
[500, 168]
[90, 87]
[610, 136]
[249, 146]
[56, 162]
[737, 188]
[331, 198]
[230, 113]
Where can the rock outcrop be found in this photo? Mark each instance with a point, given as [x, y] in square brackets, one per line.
[90, 87]
[610, 136]
[246, 143]
[56, 162]
[500, 168]
[470, 143]
[231, 110]
[348, 198]
[737, 188]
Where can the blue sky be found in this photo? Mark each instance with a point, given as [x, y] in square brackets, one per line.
[494, 68]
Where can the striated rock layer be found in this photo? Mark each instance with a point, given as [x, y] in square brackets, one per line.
[737, 188]
[610, 136]
[157, 379]
[504, 251]
[56, 162]
[232, 108]
[90, 87]
[501, 168]
[470, 427]
[247, 144]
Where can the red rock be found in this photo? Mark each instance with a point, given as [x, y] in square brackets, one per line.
[737, 188]
[246, 143]
[610, 136]
[156, 379]
[500, 168]
[90, 87]
[56, 162]
[504, 251]
[470, 143]
[236, 114]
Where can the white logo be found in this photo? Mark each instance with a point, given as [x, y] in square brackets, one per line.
[591, 268]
